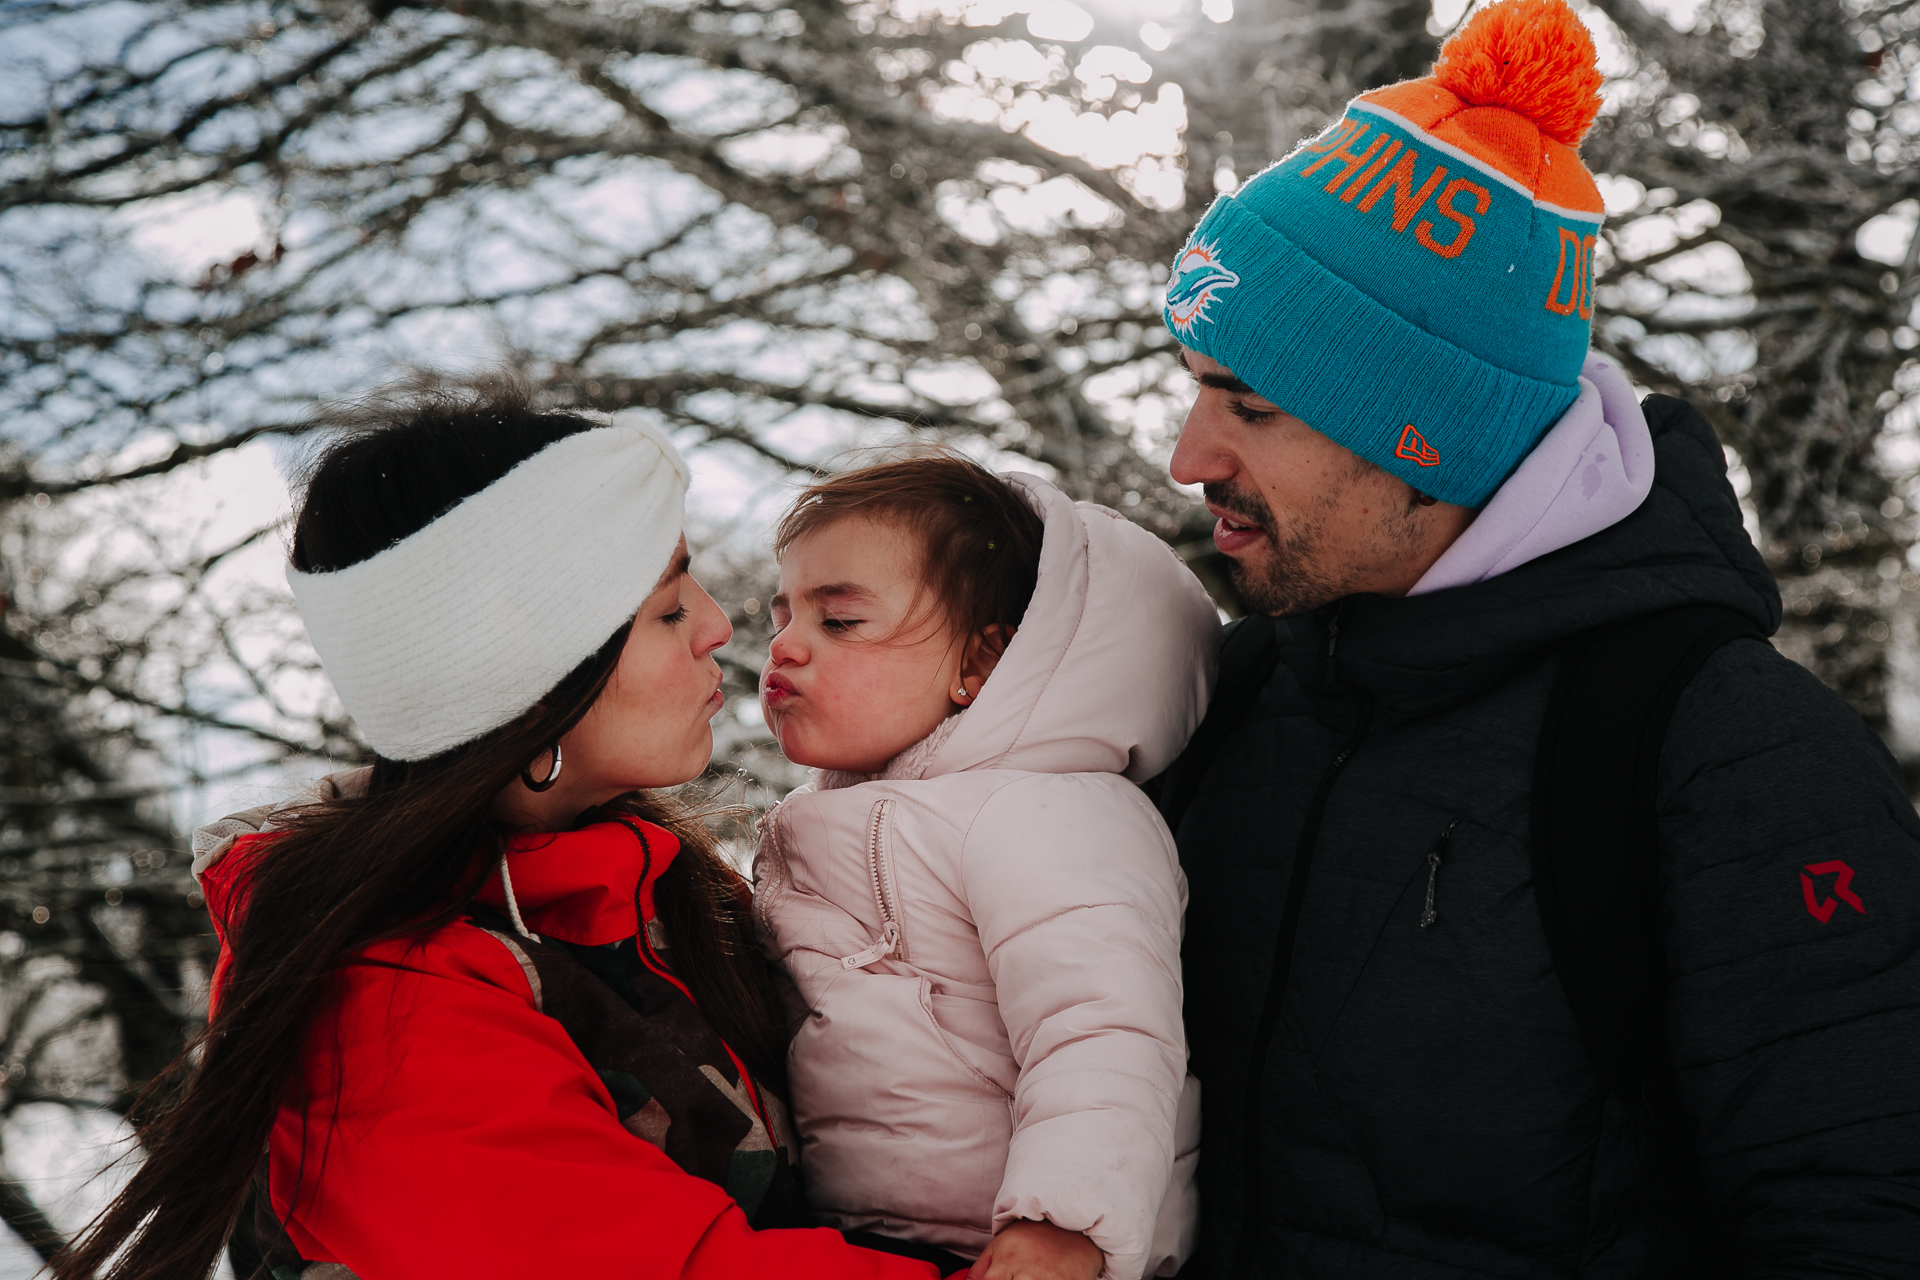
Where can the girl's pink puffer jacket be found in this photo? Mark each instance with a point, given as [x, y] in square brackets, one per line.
[988, 933]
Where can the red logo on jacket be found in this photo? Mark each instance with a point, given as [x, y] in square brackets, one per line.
[1822, 908]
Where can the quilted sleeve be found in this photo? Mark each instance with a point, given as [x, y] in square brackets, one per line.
[1077, 894]
[1791, 861]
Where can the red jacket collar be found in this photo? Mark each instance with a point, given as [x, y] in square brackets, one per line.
[584, 886]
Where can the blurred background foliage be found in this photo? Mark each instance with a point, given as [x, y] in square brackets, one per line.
[787, 228]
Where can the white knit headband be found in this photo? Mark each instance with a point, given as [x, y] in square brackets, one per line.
[454, 631]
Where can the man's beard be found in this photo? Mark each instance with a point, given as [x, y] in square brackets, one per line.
[1290, 579]
[1295, 576]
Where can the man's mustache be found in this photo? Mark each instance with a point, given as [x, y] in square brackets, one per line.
[1243, 506]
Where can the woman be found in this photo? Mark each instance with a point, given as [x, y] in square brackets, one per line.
[487, 1008]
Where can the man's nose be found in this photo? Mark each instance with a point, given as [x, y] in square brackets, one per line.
[1197, 456]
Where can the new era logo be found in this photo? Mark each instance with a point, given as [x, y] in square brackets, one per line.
[1822, 908]
[1414, 448]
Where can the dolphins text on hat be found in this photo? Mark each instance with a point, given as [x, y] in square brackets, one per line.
[1198, 277]
[1580, 289]
[1407, 201]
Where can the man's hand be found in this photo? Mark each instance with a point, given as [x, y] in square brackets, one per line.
[1038, 1251]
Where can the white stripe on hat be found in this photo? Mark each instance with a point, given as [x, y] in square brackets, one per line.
[1467, 157]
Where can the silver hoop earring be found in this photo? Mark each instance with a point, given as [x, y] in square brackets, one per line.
[546, 783]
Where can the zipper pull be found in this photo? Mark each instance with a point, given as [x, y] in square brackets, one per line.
[889, 939]
[1335, 616]
[1428, 916]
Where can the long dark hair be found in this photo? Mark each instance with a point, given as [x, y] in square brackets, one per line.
[402, 860]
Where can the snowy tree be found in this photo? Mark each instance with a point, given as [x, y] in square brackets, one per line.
[786, 229]
[1765, 267]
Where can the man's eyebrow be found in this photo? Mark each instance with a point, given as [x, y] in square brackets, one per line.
[1228, 383]
[1218, 381]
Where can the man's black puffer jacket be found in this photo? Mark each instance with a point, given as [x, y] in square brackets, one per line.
[1426, 1108]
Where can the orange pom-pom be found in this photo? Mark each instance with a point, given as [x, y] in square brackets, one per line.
[1533, 57]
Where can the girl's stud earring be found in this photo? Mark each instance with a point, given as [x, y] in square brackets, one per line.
[962, 694]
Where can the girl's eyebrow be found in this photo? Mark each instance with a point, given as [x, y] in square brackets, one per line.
[839, 591]
[832, 591]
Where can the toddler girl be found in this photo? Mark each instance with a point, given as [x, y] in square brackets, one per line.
[979, 906]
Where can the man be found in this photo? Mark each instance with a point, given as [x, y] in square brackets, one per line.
[1428, 487]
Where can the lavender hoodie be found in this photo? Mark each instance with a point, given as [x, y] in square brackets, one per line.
[987, 933]
[1591, 470]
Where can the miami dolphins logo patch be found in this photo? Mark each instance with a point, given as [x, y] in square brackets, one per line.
[1198, 278]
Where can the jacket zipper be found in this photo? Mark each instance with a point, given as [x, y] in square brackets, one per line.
[1281, 971]
[1434, 858]
[889, 941]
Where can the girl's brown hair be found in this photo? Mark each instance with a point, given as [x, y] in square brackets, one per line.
[979, 539]
[400, 861]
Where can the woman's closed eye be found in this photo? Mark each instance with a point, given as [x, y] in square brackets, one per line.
[675, 618]
[841, 625]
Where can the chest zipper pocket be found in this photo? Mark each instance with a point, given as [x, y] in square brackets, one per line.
[880, 868]
[1435, 858]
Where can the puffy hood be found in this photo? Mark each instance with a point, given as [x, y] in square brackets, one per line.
[1591, 470]
[1084, 687]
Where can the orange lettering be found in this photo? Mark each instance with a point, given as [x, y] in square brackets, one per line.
[1406, 201]
[1560, 273]
[1414, 448]
[1353, 162]
[1424, 232]
[1335, 138]
[1341, 153]
[1360, 183]
[1586, 278]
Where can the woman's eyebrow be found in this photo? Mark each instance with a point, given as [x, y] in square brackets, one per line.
[676, 568]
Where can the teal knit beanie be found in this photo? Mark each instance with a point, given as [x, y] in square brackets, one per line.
[1416, 282]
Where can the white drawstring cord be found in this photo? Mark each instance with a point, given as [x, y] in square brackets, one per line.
[513, 907]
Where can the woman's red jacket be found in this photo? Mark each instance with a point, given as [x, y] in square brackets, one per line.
[472, 1139]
